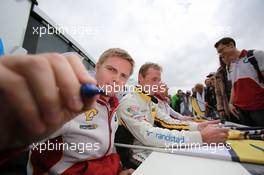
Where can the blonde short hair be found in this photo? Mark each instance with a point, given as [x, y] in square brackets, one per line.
[199, 87]
[117, 52]
[145, 67]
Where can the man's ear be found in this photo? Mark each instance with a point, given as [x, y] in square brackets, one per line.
[97, 66]
[140, 78]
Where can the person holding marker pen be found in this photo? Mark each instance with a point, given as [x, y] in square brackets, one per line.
[88, 136]
[88, 139]
[33, 97]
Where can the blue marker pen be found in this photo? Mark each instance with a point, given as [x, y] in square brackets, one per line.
[90, 90]
[1, 48]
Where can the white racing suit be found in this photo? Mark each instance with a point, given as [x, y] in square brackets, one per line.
[138, 116]
[165, 108]
[88, 146]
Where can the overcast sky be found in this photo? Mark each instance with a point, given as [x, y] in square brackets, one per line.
[178, 34]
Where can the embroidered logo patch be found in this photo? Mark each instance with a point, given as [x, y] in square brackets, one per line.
[89, 115]
[133, 109]
[92, 126]
[245, 60]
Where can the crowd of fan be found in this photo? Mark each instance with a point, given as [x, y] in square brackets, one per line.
[235, 92]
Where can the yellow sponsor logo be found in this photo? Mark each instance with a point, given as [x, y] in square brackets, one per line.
[91, 114]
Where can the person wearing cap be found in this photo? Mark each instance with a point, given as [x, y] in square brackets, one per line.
[210, 97]
[207, 82]
[186, 105]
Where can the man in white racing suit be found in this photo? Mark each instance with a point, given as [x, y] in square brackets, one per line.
[85, 145]
[139, 114]
[163, 103]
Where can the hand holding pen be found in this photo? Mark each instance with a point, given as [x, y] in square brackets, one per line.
[38, 94]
